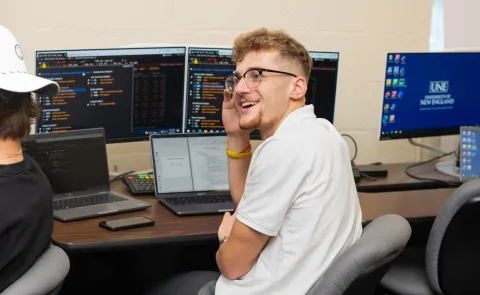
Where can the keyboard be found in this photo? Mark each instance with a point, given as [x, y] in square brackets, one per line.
[199, 200]
[85, 201]
[140, 184]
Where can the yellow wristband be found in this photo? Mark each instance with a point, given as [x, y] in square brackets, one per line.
[246, 153]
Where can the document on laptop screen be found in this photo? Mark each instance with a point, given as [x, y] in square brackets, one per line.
[209, 163]
[172, 165]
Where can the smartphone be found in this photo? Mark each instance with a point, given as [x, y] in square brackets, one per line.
[126, 223]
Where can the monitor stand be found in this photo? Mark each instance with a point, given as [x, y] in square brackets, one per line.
[450, 168]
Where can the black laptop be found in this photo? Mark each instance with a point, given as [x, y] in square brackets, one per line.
[75, 163]
[191, 173]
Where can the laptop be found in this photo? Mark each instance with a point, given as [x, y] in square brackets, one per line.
[75, 163]
[191, 173]
[469, 153]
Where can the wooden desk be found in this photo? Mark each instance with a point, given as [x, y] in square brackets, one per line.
[86, 234]
[168, 227]
[398, 180]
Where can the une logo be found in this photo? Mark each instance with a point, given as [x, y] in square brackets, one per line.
[438, 86]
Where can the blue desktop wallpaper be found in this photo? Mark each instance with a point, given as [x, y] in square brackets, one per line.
[469, 157]
[428, 92]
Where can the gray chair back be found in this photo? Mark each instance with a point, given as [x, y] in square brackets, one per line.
[45, 277]
[360, 267]
[452, 261]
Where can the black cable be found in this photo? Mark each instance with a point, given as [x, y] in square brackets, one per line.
[368, 176]
[354, 144]
[119, 176]
[450, 183]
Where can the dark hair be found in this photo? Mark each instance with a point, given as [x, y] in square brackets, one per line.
[17, 112]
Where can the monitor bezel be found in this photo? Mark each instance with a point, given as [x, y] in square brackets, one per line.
[336, 80]
[465, 128]
[416, 133]
[255, 135]
[187, 81]
[108, 140]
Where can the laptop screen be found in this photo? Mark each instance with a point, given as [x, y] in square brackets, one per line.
[469, 157]
[189, 163]
[72, 161]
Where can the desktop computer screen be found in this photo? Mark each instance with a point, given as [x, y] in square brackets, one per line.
[322, 85]
[469, 160]
[208, 67]
[429, 94]
[130, 92]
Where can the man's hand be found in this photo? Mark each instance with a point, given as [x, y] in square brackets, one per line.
[231, 118]
[227, 225]
[238, 141]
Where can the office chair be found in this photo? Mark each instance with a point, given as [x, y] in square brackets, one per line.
[359, 269]
[45, 277]
[450, 263]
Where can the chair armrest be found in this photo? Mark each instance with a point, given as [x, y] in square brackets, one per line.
[45, 275]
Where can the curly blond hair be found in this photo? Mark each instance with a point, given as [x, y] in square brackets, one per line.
[265, 40]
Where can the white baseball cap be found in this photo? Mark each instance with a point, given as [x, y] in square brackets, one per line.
[13, 70]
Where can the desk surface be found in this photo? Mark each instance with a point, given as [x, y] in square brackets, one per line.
[171, 228]
[398, 180]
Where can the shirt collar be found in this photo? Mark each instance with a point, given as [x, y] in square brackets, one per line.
[305, 112]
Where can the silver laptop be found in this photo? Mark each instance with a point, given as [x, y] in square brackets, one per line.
[75, 163]
[191, 173]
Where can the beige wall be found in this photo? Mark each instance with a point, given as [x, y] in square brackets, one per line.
[362, 31]
[461, 24]
[461, 34]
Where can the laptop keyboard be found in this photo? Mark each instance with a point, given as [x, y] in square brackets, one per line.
[85, 201]
[199, 200]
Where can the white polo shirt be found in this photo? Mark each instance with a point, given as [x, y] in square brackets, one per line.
[300, 191]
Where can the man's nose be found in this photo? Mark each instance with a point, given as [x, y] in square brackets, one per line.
[241, 88]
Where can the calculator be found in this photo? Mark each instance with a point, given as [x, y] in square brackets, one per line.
[140, 184]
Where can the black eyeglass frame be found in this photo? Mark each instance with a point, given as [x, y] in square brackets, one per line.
[260, 71]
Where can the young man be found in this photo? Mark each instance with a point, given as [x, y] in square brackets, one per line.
[297, 202]
[26, 215]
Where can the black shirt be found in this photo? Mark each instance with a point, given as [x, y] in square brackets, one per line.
[26, 218]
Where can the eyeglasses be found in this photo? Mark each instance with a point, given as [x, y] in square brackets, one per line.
[252, 77]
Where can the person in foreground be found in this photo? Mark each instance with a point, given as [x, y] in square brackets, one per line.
[298, 206]
[26, 214]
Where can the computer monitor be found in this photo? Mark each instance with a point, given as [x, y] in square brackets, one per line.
[208, 67]
[322, 85]
[429, 94]
[469, 159]
[130, 92]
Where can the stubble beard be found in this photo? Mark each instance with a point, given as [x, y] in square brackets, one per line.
[252, 123]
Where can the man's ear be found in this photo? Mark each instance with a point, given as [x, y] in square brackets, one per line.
[299, 88]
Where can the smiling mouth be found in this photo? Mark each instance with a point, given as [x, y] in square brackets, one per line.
[248, 104]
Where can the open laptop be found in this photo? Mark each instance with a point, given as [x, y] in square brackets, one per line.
[191, 173]
[469, 153]
[75, 163]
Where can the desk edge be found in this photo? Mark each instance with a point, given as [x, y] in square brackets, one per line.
[134, 242]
